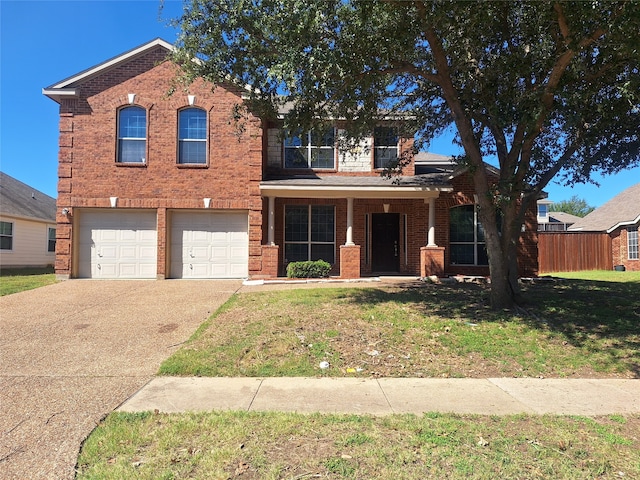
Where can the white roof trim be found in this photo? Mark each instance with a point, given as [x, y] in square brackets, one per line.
[61, 90]
[111, 62]
[316, 191]
[622, 224]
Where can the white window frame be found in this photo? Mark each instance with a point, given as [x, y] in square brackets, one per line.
[632, 243]
[8, 235]
[310, 150]
[545, 207]
[188, 140]
[121, 140]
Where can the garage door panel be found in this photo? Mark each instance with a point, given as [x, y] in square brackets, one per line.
[106, 253]
[209, 245]
[118, 244]
[99, 235]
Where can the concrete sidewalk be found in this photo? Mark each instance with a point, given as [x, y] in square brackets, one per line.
[492, 396]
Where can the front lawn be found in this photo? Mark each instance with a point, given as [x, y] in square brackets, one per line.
[569, 328]
[13, 280]
[270, 446]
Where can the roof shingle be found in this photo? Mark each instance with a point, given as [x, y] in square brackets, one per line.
[20, 200]
[623, 209]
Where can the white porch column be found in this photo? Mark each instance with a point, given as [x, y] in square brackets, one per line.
[349, 222]
[271, 233]
[431, 239]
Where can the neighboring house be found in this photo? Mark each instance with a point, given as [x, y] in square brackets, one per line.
[620, 219]
[543, 212]
[27, 225]
[178, 186]
[556, 221]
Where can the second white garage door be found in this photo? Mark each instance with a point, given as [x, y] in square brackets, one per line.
[209, 245]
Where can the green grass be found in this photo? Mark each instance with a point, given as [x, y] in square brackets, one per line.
[569, 328]
[222, 445]
[600, 276]
[14, 280]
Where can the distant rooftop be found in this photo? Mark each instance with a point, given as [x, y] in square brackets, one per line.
[20, 200]
[623, 209]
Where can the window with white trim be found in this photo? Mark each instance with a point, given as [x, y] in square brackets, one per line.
[132, 135]
[385, 143]
[6, 235]
[192, 136]
[309, 233]
[311, 150]
[543, 210]
[632, 243]
[51, 239]
[466, 237]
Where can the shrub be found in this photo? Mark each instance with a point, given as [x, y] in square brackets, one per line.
[315, 269]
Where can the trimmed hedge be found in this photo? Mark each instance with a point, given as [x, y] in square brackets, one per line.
[309, 269]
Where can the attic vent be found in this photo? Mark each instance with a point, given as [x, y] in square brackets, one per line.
[33, 195]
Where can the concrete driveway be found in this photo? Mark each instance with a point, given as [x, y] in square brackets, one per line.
[72, 352]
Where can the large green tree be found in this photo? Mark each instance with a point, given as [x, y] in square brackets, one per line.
[543, 88]
[575, 206]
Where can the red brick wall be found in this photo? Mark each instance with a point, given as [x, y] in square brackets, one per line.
[89, 174]
[620, 251]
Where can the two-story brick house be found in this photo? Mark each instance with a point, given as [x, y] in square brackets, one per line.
[159, 185]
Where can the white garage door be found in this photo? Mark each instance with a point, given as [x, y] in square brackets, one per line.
[118, 244]
[209, 245]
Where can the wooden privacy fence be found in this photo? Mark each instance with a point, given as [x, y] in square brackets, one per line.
[573, 251]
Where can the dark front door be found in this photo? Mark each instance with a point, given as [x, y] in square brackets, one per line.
[385, 242]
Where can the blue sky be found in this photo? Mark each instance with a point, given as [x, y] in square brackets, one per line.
[43, 42]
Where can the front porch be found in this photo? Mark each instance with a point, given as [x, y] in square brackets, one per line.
[377, 227]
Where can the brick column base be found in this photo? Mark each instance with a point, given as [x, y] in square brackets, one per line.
[431, 261]
[269, 261]
[349, 261]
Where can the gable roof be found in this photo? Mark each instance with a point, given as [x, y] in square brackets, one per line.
[562, 217]
[623, 209]
[64, 88]
[20, 200]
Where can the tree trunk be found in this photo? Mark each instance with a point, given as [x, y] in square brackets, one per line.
[501, 245]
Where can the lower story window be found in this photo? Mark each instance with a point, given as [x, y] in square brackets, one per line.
[51, 240]
[466, 237]
[309, 233]
[6, 236]
[632, 243]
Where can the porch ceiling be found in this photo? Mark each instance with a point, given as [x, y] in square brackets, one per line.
[418, 186]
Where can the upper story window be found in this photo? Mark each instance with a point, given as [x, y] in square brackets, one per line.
[51, 240]
[6, 236]
[632, 243]
[385, 143]
[192, 136]
[310, 150]
[466, 237]
[543, 210]
[132, 135]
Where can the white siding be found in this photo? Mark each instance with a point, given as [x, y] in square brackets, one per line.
[357, 160]
[274, 148]
[30, 243]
